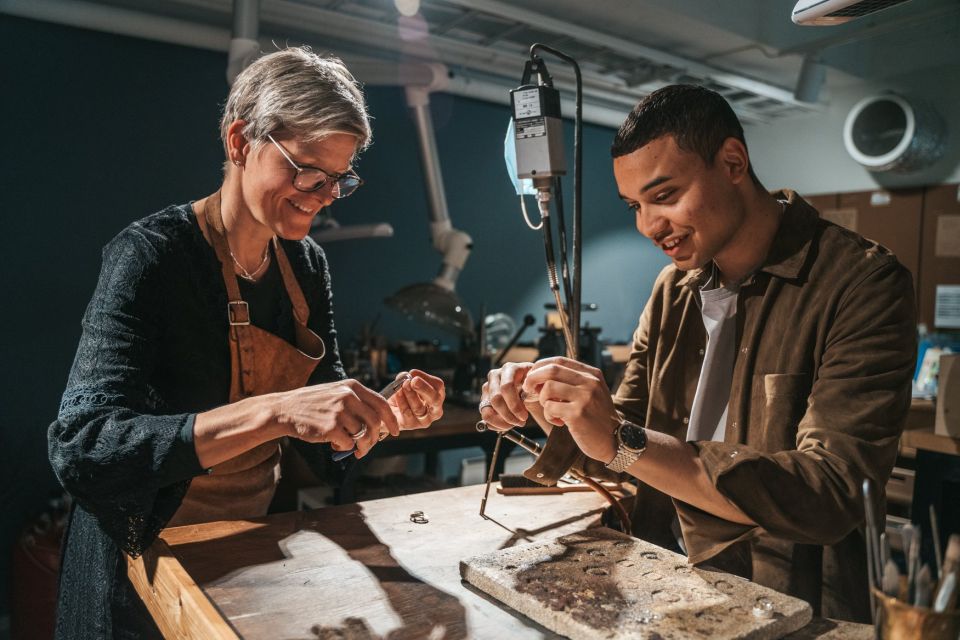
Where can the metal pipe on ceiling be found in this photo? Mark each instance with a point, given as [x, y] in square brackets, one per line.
[126, 22]
[244, 44]
[91, 15]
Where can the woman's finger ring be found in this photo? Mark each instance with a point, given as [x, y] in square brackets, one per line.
[484, 405]
[421, 416]
[359, 434]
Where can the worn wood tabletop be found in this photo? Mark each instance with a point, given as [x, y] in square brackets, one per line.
[361, 571]
[354, 571]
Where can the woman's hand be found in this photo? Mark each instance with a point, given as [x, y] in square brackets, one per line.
[419, 402]
[341, 413]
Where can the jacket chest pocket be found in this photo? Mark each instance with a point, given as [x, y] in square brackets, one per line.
[783, 397]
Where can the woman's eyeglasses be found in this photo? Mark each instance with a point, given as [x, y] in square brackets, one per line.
[312, 178]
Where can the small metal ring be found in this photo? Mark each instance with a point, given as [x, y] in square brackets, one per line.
[484, 405]
[359, 434]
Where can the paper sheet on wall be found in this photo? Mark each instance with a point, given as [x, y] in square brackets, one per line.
[947, 308]
[948, 237]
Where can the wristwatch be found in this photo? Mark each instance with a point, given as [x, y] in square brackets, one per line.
[631, 443]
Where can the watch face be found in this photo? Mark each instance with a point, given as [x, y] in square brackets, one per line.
[633, 437]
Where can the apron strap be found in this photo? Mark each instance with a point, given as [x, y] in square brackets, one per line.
[211, 224]
[300, 308]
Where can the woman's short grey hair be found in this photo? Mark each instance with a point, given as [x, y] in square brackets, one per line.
[307, 95]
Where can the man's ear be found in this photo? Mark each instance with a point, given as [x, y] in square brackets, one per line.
[237, 144]
[734, 159]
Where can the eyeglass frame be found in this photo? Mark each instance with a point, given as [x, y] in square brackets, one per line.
[334, 177]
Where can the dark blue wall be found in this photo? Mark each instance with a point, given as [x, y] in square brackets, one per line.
[100, 130]
[506, 270]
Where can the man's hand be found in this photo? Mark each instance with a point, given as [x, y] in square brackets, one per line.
[501, 406]
[575, 394]
[561, 391]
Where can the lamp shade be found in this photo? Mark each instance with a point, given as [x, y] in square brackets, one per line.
[430, 303]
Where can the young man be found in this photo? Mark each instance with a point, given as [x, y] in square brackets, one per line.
[770, 371]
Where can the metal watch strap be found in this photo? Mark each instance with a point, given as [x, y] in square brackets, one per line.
[625, 457]
[622, 461]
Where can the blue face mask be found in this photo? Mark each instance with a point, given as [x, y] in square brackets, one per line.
[522, 187]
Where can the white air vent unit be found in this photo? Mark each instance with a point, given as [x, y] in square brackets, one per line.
[889, 133]
[825, 12]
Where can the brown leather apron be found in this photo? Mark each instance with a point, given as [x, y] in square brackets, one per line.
[260, 363]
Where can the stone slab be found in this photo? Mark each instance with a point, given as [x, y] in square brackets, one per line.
[829, 629]
[599, 583]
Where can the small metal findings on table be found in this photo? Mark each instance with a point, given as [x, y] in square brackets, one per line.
[763, 608]
[419, 518]
[649, 617]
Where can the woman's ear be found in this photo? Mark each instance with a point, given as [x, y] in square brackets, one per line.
[237, 144]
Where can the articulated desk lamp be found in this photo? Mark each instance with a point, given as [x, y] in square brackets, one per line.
[536, 137]
[436, 302]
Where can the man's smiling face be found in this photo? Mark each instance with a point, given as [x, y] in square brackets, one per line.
[690, 210]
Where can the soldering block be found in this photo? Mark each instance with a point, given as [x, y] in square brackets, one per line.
[599, 583]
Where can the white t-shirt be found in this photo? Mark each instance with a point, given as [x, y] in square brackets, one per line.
[708, 415]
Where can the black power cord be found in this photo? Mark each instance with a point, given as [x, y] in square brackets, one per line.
[572, 291]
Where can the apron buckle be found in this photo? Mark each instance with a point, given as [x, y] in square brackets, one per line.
[238, 312]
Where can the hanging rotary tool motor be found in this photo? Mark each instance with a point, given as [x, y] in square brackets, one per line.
[536, 159]
[538, 142]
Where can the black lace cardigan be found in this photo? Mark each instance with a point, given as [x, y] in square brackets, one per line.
[153, 354]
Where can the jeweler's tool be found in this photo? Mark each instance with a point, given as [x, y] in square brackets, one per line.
[526, 443]
[388, 391]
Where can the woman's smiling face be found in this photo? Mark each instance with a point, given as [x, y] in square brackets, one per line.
[267, 180]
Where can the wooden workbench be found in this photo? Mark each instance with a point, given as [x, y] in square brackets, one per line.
[359, 571]
[918, 432]
[364, 569]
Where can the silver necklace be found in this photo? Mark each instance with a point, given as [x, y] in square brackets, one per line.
[246, 275]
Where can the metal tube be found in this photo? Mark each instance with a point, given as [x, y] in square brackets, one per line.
[522, 441]
[246, 19]
[419, 102]
[493, 464]
[244, 46]
[515, 437]
[138, 24]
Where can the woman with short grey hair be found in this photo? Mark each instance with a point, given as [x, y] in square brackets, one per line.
[208, 348]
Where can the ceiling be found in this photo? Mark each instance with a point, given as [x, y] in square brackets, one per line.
[748, 50]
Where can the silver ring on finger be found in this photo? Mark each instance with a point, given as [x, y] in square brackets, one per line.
[359, 434]
[484, 405]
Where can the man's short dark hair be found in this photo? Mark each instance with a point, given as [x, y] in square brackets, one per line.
[698, 119]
